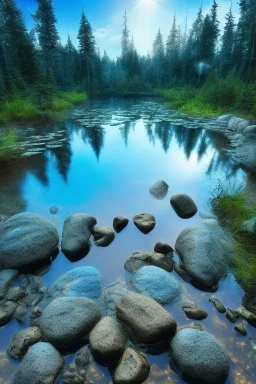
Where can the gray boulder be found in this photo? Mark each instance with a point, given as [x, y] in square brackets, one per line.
[26, 238]
[103, 236]
[241, 328]
[231, 315]
[6, 278]
[144, 222]
[156, 283]
[245, 314]
[224, 118]
[142, 259]
[250, 131]
[20, 313]
[108, 338]
[193, 311]
[119, 223]
[159, 190]
[198, 355]
[41, 365]
[163, 247]
[76, 234]
[184, 206]
[133, 368]
[147, 320]
[217, 303]
[76, 372]
[6, 312]
[67, 319]
[202, 257]
[22, 340]
[236, 124]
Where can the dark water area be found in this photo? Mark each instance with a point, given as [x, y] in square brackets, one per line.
[105, 168]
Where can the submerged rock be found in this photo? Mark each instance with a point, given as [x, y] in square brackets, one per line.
[144, 222]
[20, 313]
[218, 305]
[163, 247]
[159, 190]
[245, 314]
[119, 223]
[103, 236]
[147, 320]
[184, 206]
[76, 372]
[198, 355]
[142, 259]
[22, 340]
[26, 238]
[6, 278]
[156, 283]
[133, 368]
[193, 311]
[231, 315]
[240, 328]
[54, 209]
[6, 312]
[67, 319]
[41, 365]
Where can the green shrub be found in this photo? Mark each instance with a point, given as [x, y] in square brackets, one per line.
[9, 146]
[19, 108]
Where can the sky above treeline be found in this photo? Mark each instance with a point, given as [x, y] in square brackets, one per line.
[145, 17]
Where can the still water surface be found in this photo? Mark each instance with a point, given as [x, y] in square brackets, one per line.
[105, 169]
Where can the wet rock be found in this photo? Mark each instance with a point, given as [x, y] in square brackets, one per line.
[163, 247]
[119, 223]
[67, 319]
[231, 315]
[184, 206]
[78, 282]
[156, 283]
[249, 302]
[76, 372]
[133, 368]
[198, 355]
[147, 320]
[193, 311]
[20, 313]
[202, 256]
[54, 209]
[38, 239]
[6, 278]
[250, 131]
[193, 325]
[32, 299]
[236, 124]
[37, 312]
[183, 274]
[240, 328]
[245, 314]
[41, 365]
[225, 118]
[103, 236]
[22, 340]
[15, 294]
[159, 190]
[76, 234]
[142, 259]
[249, 226]
[144, 222]
[6, 312]
[108, 338]
[217, 304]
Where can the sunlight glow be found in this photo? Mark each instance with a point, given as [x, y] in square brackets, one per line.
[147, 4]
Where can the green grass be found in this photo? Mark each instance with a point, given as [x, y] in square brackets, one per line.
[9, 146]
[19, 109]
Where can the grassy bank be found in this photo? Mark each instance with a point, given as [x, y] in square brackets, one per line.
[216, 97]
[233, 210]
[9, 146]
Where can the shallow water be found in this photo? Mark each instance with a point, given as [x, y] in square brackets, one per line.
[114, 152]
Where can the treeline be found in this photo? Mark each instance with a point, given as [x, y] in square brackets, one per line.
[37, 58]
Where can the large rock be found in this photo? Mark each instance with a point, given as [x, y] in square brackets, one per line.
[108, 338]
[133, 368]
[78, 282]
[22, 340]
[147, 320]
[202, 257]
[236, 124]
[159, 190]
[26, 238]
[156, 283]
[142, 259]
[103, 236]
[250, 131]
[144, 222]
[6, 312]
[41, 365]
[184, 206]
[6, 278]
[67, 319]
[119, 223]
[163, 247]
[76, 372]
[198, 355]
[76, 234]
[193, 311]
[224, 118]
[217, 304]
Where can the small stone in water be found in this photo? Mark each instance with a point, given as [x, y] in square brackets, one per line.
[54, 209]
[218, 305]
[240, 328]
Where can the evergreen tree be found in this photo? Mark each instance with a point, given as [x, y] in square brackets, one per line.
[173, 50]
[227, 43]
[158, 58]
[125, 44]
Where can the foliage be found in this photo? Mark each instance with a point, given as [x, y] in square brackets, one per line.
[9, 146]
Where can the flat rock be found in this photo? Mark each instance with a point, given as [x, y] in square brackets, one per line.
[142, 259]
[76, 234]
[133, 368]
[108, 338]
[78, 282]
[25, 239]
[6, 312]
[119, 223]
[103, 236]
[217, 304]
[202, 256]
[41, 365]
[22, 340]
[241, 328]
[76, 372]
[159, 190]
[198, 355]
[156, 283]
[6, 278]
[148, 320]
[67, 319]
[184, 206]
[193, 311]
[144, 222]
[163, 247]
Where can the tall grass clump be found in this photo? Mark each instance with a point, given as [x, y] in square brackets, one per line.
[9, 146]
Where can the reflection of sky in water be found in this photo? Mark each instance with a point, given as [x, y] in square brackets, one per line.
[107, 172]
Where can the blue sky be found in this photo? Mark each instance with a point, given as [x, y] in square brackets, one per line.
[106, 18]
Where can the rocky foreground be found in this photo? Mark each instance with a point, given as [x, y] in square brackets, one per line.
[114, 324]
